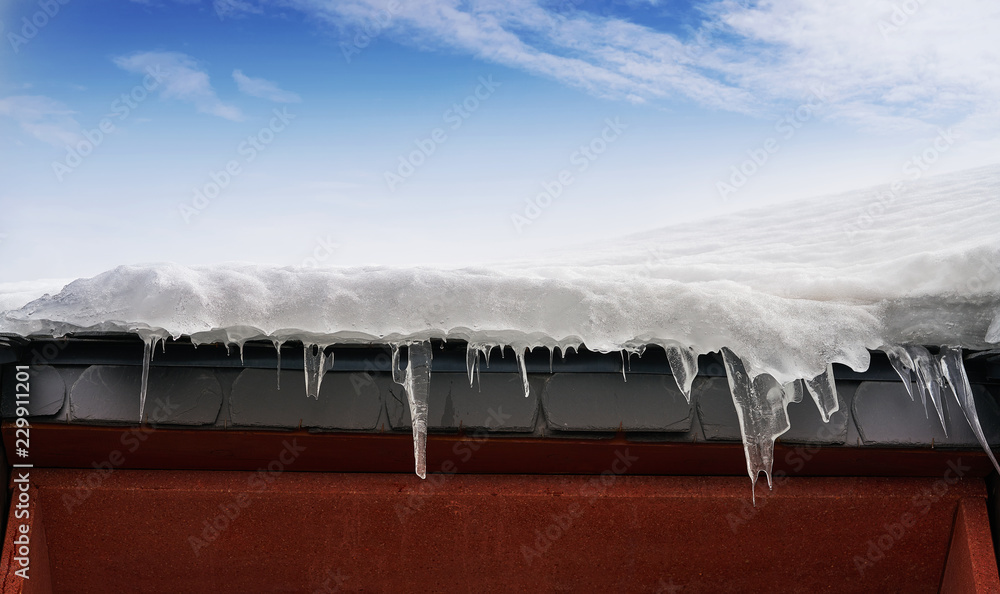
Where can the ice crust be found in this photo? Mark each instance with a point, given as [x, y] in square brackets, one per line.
[783, 292]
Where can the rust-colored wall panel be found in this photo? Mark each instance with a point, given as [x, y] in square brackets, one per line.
[174, 531]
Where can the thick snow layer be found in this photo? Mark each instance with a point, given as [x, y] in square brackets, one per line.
[789, 338]
[789, 288]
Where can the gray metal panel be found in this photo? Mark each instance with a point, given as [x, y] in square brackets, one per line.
[496, 402]
[347, 401]
[886, 417]
[720, 422]
[47, 391]
[110, 394]
[606, 402]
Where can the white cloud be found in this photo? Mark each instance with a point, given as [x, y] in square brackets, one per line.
[43, 118]
[183, 79]
[234, 8]
[890, 65]
[885, 63]
[265, 89]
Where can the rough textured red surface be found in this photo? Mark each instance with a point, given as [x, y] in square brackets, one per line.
[971, 566]
[131, 530]
[147, 447]
[36, 568]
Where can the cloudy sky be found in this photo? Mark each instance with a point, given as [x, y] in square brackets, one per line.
[415, 132]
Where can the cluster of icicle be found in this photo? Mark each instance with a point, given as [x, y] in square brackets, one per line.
[761, 402]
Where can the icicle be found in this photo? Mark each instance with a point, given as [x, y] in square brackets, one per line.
[684, 365]
[954, 371]
[903, 365]
[416, 382]
[397, 371]
[150, 338]
[552, 356]
[913, 353]
[928, 380]
[484, 350]
[524, 370]
[314, 363]
[623, 367]
[472, 361]
[148, 343]
[823, 389]
[277, 347]
[762, 408]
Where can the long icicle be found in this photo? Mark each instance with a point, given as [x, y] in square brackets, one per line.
[277, 348]
[762, 407]
[475, 353]
[953, 370]
[928, 372]
[148, 342]
[472, 361]
[903, 365]
[416, 383]
[520, 353]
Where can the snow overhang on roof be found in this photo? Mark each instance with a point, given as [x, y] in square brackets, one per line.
[778, 296]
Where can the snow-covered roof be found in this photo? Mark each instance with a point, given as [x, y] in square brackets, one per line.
[783, 291]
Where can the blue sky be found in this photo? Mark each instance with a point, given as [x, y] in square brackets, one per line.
[408, 132]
